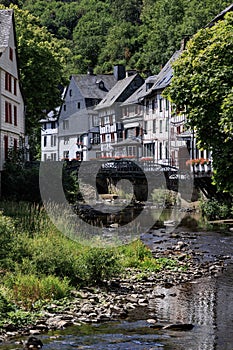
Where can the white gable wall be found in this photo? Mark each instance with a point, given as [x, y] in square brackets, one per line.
[14, 128]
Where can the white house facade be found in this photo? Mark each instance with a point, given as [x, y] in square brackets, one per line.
[12, 120]
[49, 137]
[110, 113]
[78, 130]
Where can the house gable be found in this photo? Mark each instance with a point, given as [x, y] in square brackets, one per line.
[12, 122]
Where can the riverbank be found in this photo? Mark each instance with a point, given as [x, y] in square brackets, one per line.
[134, 290]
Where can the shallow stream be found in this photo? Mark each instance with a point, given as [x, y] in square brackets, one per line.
[206, 303]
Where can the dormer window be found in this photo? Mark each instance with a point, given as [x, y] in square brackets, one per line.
[11, 54]
[101, 85]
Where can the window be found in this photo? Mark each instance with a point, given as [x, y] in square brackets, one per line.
[95, 140]
[132, 151]
[15, 86]
[53, 156]
[160, 150]
[154, 126]
[8, 81]
[178, 130]
[8, 112]
[15, 116]
[112, 137]
[65, 124]
[145, 127]
[70, 92]
[45, 141]
[15, 145]
[102, 121]
[78, 105]
[160, 104]
[167, 105]
[147, 107]
[6, 147]
[64, 107]
[153, 105]
[103, 138]
[45, 157]
[166, 150]
[95, 120]
[160, 126]
[111, 119]
[11, 54]
[66, 154]
[53, 140]
[66, 140]
[53, 125]
[166, 125]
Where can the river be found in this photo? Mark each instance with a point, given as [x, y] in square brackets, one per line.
[206, 303]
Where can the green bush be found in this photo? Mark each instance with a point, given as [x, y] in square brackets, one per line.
[97, 265]
[7, 234]
[214, 210]
[54, 255]
[133, 254]
[28, 289]
[5, 305]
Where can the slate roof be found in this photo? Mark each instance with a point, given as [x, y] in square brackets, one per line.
[89, 84]
[5, 27]
[139, 93]
[114, 94]
[165, 75]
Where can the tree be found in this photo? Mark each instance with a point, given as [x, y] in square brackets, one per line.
[202, 87]
[119, 46]
[90, 34]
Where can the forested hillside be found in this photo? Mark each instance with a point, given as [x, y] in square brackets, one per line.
[58, 38]
[142, 34]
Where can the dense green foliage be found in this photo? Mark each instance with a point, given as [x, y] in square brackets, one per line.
[202, 86]
[139, 33]
[214, 210]
[59, 38]
[39, 264]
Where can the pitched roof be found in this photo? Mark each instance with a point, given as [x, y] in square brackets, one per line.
[140, 92]
[165, 75]
[94, 86]
[114, 94]
[5, 27]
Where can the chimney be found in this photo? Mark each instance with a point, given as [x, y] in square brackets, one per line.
[119, 72]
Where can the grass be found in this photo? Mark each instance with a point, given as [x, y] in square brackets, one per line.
[38, 264]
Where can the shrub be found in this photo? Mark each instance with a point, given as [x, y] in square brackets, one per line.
[54, 255]
[214, 210]
[5, 305]
[28, 289]
[7, 233]
[133, 254]
[97, 265]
